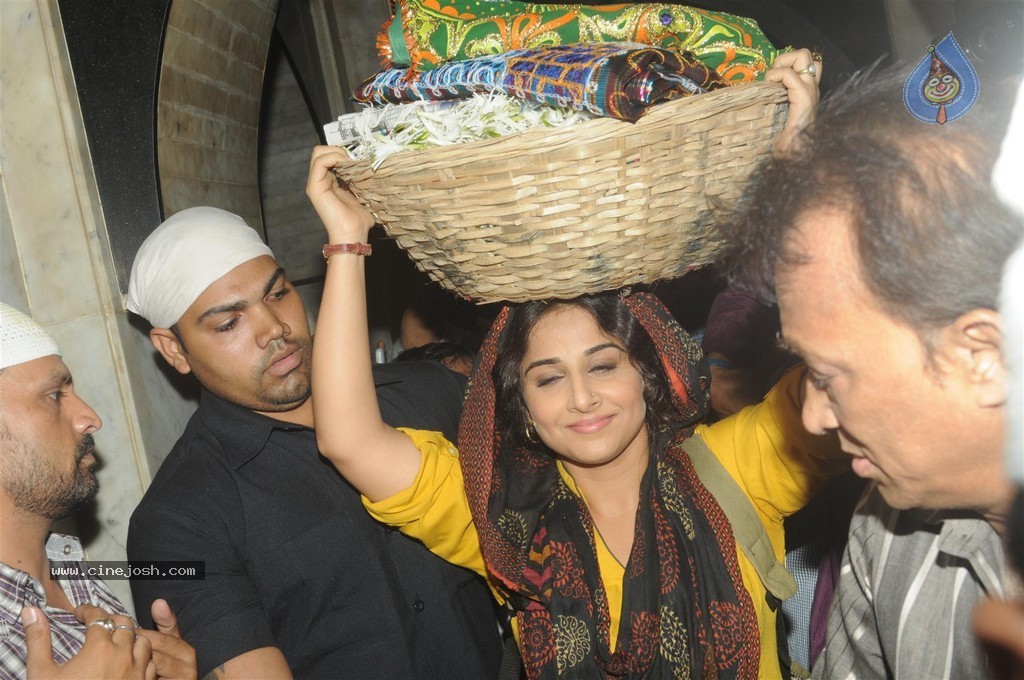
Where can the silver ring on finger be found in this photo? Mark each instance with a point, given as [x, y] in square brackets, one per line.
[107, 623]
[131, 628]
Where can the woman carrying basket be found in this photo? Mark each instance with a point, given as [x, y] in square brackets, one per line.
[575, 491]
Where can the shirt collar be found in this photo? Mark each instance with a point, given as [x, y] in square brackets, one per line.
[17, 584]
[961, 532]
[64, 548]
[967, 535]
[242, 432]
[974, 540]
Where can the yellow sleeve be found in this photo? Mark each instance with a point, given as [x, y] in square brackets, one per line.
[435, 509]
[769, 453]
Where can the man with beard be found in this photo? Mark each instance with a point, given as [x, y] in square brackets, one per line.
[299, 580]
[52, 626]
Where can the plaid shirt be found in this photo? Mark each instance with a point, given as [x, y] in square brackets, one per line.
[18, 589]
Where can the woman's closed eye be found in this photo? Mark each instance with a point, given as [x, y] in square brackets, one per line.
[606, 360]
[548, 379]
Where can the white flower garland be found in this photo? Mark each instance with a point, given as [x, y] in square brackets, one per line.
[379, 132]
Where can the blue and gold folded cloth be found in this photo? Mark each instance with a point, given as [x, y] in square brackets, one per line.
[618, 80]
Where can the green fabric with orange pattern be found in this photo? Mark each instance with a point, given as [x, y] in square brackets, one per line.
[423, 34]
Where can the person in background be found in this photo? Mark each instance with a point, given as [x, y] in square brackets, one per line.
[54, 627]
[882, 241]
[299, 580]
[451, 355]
[434, 315]
[418, 328]
[1000, 622]
[740, 340]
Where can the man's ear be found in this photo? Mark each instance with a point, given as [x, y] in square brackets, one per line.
[166, 342]
[974, 343]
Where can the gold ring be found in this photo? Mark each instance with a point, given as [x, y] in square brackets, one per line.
[809, 71]
[103, 623]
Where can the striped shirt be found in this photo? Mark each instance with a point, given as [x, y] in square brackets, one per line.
[67, 635]
[909, 583]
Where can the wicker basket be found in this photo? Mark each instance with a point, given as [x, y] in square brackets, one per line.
[596, 206]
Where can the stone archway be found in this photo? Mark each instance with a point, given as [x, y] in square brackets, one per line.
[208, 104]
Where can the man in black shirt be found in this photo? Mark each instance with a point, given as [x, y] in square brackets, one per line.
[299, 580]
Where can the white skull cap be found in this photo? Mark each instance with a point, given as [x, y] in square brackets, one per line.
[22, 339]
[183, 256]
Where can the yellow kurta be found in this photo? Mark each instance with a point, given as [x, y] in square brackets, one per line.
[764, 447]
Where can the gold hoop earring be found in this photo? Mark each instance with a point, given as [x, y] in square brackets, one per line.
[531, 432]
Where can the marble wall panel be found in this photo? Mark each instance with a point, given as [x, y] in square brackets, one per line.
[56, 257]
[41, 194]
[12, 278]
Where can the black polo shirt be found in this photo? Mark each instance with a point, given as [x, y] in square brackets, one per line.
[293, 560]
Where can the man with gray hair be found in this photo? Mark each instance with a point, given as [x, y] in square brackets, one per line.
[883, 242]
[299, 580]
[53, 623]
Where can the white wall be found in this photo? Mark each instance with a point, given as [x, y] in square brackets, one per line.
[56, 266]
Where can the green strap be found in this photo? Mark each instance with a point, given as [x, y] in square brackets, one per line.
[746, 524]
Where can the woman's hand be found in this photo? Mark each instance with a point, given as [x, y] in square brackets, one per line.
[802, 87]
[344, 217]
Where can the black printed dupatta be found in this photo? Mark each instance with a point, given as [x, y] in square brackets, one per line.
[685, 613]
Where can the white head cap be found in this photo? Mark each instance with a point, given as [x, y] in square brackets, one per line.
[22, 339]
[183, 256]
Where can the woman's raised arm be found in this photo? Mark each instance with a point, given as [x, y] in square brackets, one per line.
[375, 458]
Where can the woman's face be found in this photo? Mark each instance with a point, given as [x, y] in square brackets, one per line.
[582, 392]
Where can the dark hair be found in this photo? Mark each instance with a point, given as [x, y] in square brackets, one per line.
[446, 317]
[614, 318]
[930, 233]
[436, 351]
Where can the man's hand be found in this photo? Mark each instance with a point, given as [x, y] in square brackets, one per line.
[1000, 625]
[174, 658]
[117, 655]
[346, 220]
